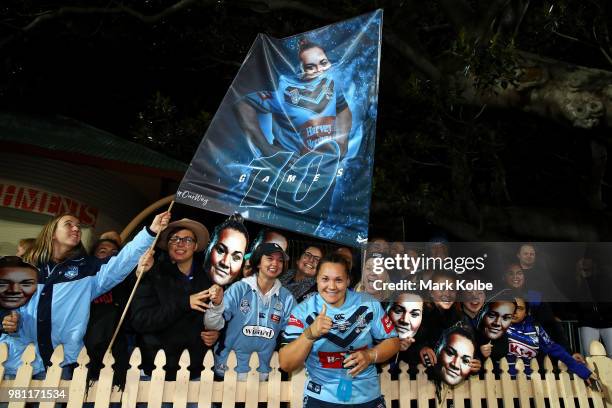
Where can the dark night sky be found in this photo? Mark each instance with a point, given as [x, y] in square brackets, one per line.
[103, 70]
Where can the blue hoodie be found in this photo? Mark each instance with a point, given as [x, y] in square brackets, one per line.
[59, 310]
[254, 321]
[527, 338]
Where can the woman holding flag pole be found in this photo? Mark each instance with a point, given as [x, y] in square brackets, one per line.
[339, 335]
[68, 281]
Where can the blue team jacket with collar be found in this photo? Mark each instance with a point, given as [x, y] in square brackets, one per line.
[527, 338]
[253, 323]
[59, 310]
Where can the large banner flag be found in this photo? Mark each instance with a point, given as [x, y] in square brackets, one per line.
[292, 143]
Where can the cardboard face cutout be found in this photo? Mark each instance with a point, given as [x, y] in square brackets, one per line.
[18, 282]
[406, 313]
[454, 353]
[495, 318]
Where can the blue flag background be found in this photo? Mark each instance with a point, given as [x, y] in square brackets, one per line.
[292, 143]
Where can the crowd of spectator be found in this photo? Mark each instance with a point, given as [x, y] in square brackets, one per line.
[200, 291]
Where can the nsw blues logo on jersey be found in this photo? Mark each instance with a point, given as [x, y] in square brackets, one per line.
[245, 307]
[349, 327]
[71, 272]
[315, 100]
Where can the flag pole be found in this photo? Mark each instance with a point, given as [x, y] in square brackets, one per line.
[139, 274]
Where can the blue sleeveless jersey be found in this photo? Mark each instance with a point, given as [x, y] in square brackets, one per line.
[359, 323]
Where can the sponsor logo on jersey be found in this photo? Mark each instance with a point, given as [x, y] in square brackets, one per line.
[521, 349]
[331, 359]
[314, 387]
[293, 321]
[258, 331]
[244, 306]
[387, 324]
[275, 318]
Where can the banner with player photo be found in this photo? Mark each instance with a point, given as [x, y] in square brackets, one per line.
[292, 143]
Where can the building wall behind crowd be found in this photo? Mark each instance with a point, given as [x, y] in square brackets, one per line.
[115, 198]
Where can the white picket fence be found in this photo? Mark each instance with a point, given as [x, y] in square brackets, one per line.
[556, 390]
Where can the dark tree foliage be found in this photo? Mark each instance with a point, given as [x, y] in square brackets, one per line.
[494, 116]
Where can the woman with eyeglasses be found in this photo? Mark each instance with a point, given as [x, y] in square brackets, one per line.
[169, 305]
[68, 281]
[301, 280]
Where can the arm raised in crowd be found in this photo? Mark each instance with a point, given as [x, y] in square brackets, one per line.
[120, 266]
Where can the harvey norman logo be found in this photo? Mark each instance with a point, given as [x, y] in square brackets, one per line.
[258, 331]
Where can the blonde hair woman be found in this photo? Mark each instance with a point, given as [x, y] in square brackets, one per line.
[67, 283]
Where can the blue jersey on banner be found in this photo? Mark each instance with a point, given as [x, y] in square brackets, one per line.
[358, 324]
[292, 143]
[304, 110]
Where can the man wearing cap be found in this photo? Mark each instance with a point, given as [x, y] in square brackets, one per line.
[256, 310]
[169, 305]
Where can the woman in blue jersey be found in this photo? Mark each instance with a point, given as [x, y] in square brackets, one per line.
[339, 335]
[68, 281]
[256, 309]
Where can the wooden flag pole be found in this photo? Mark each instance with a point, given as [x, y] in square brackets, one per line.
[139, 274]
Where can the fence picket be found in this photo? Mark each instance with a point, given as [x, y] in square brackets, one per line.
[229, 382]
[475, 394]
[207, 376]
[181, 385]
[536, 382]
[105, 382]
[551, 384]
[603, 368]
[580, 390]
[507, 385]
[252, 384]
[421, 378]
[566, 387]
[490, 384]
[523, 384]
[404, 386]
[24, 373]
[274, 383]
[132, 381]
[386, 386]
[54, 374]
[78, 383]
[460, 394]
[158, 378]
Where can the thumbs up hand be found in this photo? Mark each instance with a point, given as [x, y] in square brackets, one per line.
[10, 322]
[321, 326]
[486, 350]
